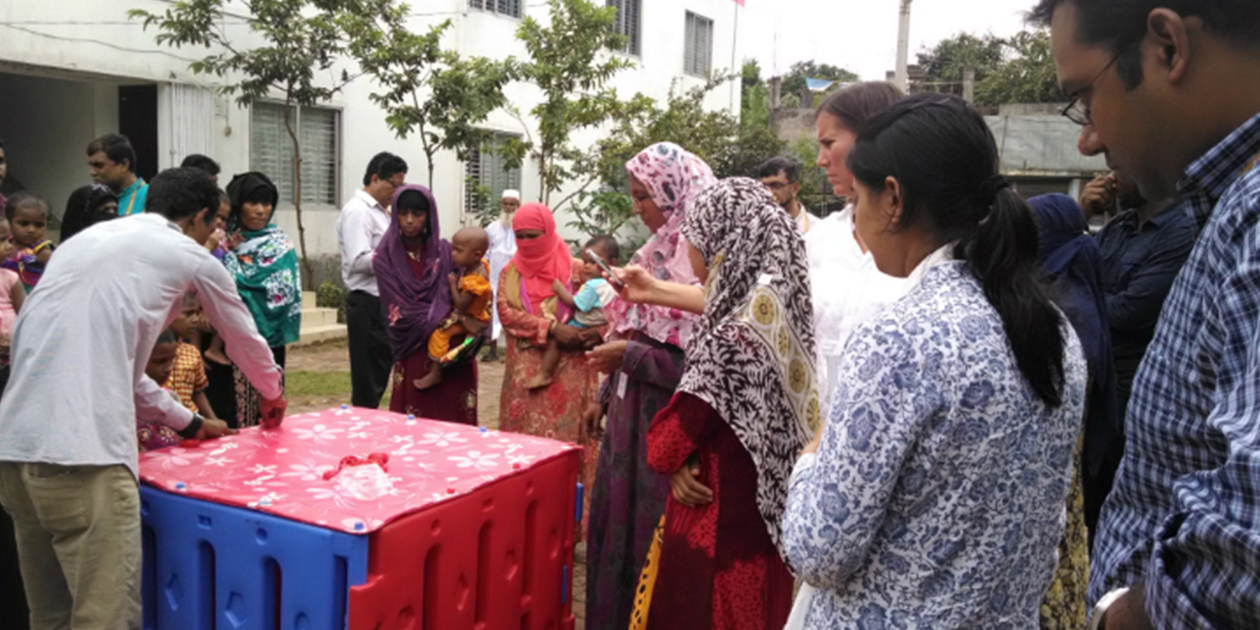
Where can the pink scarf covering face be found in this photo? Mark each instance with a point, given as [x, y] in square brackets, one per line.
[542, 260]
[675, 178]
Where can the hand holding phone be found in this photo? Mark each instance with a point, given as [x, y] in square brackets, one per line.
[612, 277]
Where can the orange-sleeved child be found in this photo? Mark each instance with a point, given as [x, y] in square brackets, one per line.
[471, 295]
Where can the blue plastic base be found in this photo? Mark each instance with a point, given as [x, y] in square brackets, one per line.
[210, 566]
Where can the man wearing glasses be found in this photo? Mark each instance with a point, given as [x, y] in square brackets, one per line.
[362, 223]
[782, 175]
[1170, 91]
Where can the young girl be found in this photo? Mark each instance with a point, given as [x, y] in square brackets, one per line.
[28, 219]
[11, 296]
[153, 435]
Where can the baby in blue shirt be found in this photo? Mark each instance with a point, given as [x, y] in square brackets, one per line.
[588, 305]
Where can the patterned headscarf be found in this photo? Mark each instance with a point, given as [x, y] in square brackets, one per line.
[675, 178]
[752, 357]
[265, 265]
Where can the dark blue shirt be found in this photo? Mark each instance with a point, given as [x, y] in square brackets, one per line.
[1139, 265]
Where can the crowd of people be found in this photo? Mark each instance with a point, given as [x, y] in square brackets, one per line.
[944, 406]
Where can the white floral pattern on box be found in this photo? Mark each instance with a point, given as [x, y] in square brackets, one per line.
[282, 471]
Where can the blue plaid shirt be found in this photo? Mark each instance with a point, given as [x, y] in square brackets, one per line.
[1184, 515]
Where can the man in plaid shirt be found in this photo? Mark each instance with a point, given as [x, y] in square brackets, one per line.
[1171, 90]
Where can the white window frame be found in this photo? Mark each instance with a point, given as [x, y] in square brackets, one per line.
[630, 24]
[481, 162]
[311, 155]
[698, 45]
[500, 7]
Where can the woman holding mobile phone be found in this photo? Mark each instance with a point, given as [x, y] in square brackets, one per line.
[644, 360]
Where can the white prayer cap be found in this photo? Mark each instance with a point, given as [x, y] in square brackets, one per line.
[512, 194]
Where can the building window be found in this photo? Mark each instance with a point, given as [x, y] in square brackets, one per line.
[487, 173]
[628, 12]
[271, 151]
[510, 8]
[698, 47]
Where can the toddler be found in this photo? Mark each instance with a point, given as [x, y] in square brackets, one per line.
[470, 293]
[152, 435]
[28, 220]
[588, 305]
[188, 375]
[12, 293]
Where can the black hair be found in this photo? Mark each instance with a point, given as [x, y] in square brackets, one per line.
[607, 246]
[116, 147]
[167, 336]
[945, 161]
[202, 162]
[384, 165]
[178, 193]
[414, 200]
[25, 199]
[224, 199]
[1119, 25]
[855, 104]
[781, 164]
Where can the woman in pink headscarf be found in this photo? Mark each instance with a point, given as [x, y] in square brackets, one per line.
[531, 314]
[644, 359]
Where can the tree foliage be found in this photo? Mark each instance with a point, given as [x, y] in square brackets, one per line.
[1018, 69]
[427, 91]
[946, 61]
[570, 61]
[1028, 76]
[300, 41]
[794, 80]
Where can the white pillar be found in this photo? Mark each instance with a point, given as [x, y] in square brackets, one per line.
[902, 78]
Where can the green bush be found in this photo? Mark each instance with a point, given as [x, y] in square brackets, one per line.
[330, 295]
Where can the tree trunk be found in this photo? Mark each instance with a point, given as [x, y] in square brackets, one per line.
[297, 192]
[542, 179]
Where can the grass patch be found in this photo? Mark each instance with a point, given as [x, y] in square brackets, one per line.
[306, 383]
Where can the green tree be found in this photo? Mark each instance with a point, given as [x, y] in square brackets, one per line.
[794, 80]
[300, 40]
[427, 91]
[943, 65]
[1027, 75]
[570, 60]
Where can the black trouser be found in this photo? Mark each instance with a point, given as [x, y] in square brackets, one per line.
[370, 357]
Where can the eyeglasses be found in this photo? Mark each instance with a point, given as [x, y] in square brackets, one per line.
[1078, 112]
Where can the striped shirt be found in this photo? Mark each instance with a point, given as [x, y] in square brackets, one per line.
[1184, 516]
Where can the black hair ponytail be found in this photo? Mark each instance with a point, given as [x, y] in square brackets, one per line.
[1002, 252]
[944, 158]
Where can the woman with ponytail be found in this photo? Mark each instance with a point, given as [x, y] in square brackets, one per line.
[934, 495]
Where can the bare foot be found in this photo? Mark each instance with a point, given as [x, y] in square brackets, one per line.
[538, 382]
[216, 355]
[429, 380]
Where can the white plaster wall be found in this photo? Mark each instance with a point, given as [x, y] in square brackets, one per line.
[76, 113]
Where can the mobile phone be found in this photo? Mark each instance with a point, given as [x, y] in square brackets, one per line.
[612, 277]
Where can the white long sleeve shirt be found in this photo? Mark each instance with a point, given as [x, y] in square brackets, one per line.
[362, 223]
[83, 339]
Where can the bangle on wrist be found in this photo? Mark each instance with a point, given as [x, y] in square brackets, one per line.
[1098, 618]
[189, 432]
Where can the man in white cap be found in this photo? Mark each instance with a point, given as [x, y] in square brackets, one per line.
[502, 249]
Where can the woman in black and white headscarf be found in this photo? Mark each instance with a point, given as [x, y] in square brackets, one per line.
[745, 407]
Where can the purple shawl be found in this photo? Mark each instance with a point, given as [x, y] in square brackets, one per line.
[414, 307]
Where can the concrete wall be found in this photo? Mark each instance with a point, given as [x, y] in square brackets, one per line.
[46, 125]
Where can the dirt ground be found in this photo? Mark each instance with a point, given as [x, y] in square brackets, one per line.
[319, 378]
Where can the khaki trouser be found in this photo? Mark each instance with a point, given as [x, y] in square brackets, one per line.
[78, 536]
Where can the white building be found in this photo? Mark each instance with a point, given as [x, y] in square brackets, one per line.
[72, 70]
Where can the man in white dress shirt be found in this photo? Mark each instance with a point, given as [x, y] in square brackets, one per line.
[502, 249]
[362, 223]
[782, 175]
[68, 451]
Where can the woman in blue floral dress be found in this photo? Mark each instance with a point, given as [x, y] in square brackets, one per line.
[264, 263]
[934, 496]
